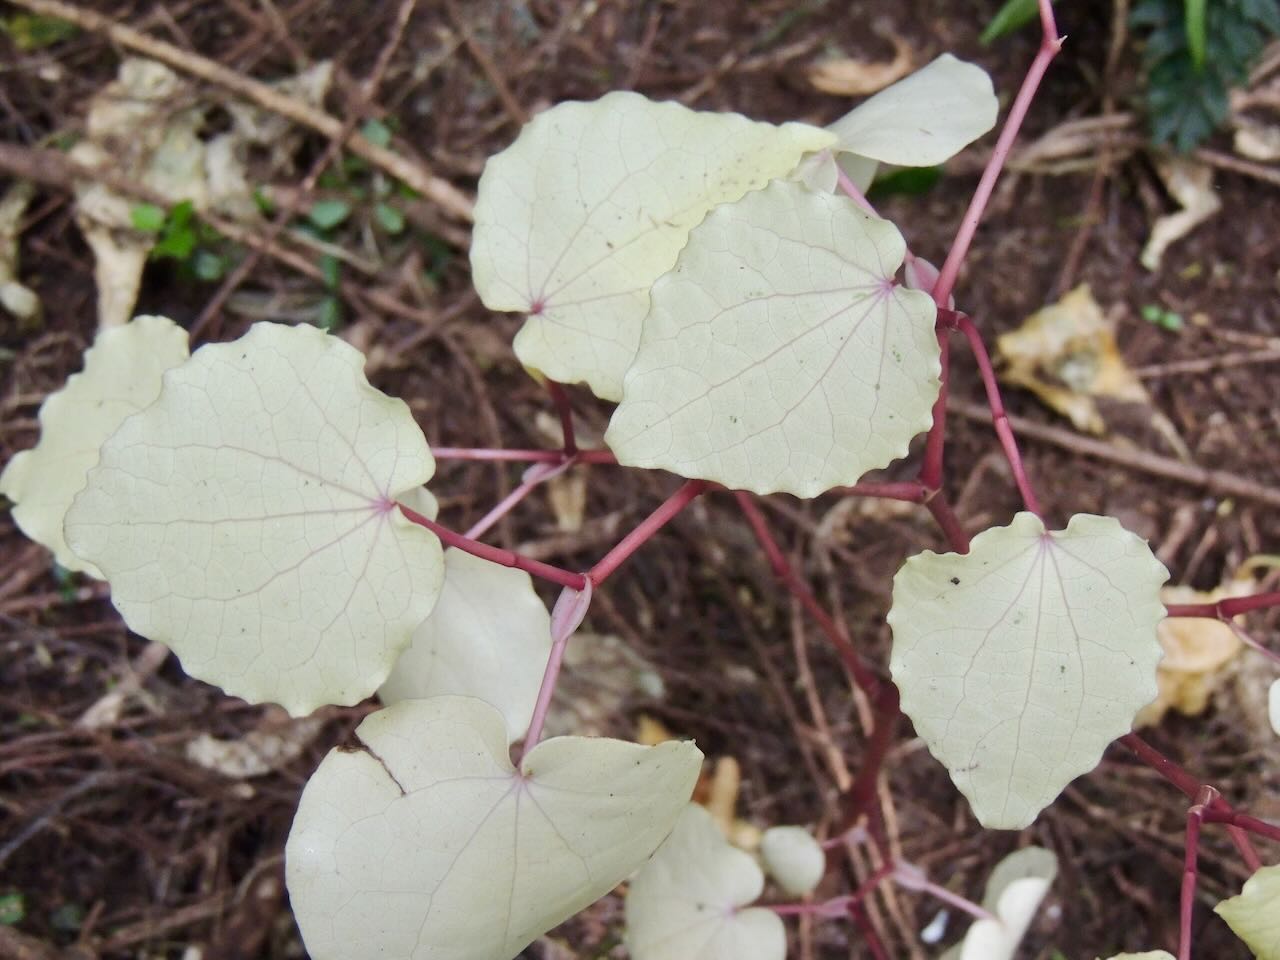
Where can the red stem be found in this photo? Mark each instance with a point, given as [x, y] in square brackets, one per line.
[949, 522]
[910, 491]
[1191, 853]
[1050, 44]
[522, 456]
[506, 558]
[560, 397]
[1225, 609]
[648, 527]
[862, 674]
[931, 468]
[1000, 419]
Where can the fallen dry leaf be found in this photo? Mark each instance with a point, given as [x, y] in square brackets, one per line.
[19, 300]
[277, 741]
[847, 77]
[1196, 653]
[1191, 184]
[1066, 354]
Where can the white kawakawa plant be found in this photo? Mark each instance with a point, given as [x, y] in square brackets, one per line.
[428, 843]
[1254, 915]
[696, 267]
[1014, 892]
[1019, 661]
[691, 900]
[594, 201]
[793, 858]
[121, 376]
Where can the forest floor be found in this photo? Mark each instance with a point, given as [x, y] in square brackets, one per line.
[114, 843]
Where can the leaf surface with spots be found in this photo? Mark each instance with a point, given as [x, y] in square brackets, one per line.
[1021, 660]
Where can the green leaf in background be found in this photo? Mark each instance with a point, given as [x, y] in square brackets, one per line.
[1014, 15]
[147, 217]
[376, 132]
[13, 908]
[331, 270]
[33, 31]
[1188, 88]
[389, 218]
[327, 214]
[911, 181]
[329, 316]
[1197, 30]
[208, 266]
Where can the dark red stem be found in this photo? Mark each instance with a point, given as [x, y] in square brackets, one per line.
[935, 442]
[862, 674]
[506, 558]
[560, 397]
[1225, 609]
[522, 456]
[999, 418]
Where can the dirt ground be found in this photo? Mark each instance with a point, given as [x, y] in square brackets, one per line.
[120, 846]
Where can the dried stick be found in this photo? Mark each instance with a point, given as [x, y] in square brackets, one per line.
[413, 173]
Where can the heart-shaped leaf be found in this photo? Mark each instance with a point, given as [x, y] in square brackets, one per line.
[427, 843]
[247, 520]
[793, 858]
[1021, 660]
[1254, 915]
[1014, 891]
[121, 375]
[687, 902]
[781, 355]
[591, 204]
[488, 637]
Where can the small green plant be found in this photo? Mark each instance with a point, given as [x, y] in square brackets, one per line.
[260, 508]
[1194, 53]
[183, 237]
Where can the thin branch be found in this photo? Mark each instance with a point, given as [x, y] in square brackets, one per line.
[564, 409]
[1227, 608]
[862, 674]
[413, 173]
[505, 558]
[999, 417]
[650, 525]
[1050, 44]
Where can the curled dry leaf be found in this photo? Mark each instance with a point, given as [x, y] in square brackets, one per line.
[781, 355]
[1019, 661]
[20, 301]
[428, 843]
[247, 520]
[1066, 354]
[847, 77]
[1014, 892]
[476, 645]
[273, 745]
[1196, 652]
[121, 376]
[1254, 915]
[687, 902]
[793, 858]
[1190, 183]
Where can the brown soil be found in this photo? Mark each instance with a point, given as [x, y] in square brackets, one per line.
[122, 848]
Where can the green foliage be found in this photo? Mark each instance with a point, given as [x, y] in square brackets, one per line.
[1014, 15]
[1155, 314]
[33, 31]
[182, 236]
[13, 908]
[1195, 53]
[909, 181]
[327, 214]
